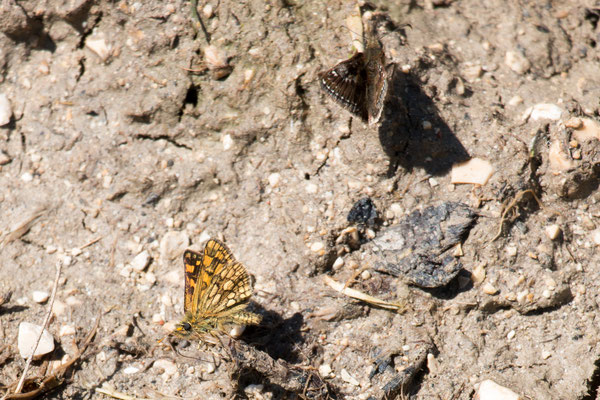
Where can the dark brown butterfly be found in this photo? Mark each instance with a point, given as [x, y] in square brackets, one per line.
[360, 83]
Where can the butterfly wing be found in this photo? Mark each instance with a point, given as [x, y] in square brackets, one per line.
[228, 292]
[377, 77]
[193, 265]
[346, 83]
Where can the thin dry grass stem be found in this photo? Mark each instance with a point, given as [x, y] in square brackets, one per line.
[112, 392]
[44, 326]
[356, 294]
[23, 227]
[91, 242]
[512, 205]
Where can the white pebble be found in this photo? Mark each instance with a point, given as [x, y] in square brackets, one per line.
[73, 301]
[545, 111]
[168, 366]
[141, 261]
[511, 251]
[75, 251]
[325, 370]
[58, 308]
[317, 247]
[311, 188]
[26, 177]
[490, 390]
[28, 334]
[596, 237]
[546, 354]
[39, 296]
[173, 244]
[236, 331]
[517, 62]
[150, 278]
[174, 277]
[5, 110]
[131, 370]
[67, 260]
[67, 330]
[511, 334]
[546, 294]
[488, 288]
[99, 47]
[365, 275]
[274, 179]
[475, 171]
[478, 274]
[209, 367]
[227, 142]
[552, 231]
[522, 296]
[338, 263]
[515, 101]
[346, 377]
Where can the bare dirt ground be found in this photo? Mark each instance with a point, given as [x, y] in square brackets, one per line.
[122, 141]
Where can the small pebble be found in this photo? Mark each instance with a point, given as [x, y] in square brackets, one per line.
[558, 158]
[28, 334]
[158, 318]
[596, 237]
[5, 110]
[39, 296]
[511, 296]
[67, 330]
[488, 288]
[274, 179]
[208, 11]
[317, 247]
[168, 366]
[511, 251]
[338, 264]
[173, 244]
[59, 308]
[255, 391]
[517, 62]
[546, 294]
[515, 101]
[236, 331]
[311, 188]
[545, 111]
[478, 274]
[99, 47]
[325, 370]
[475, 171]
[546, 354]
[26, 177]
[141, 261]
[227, 142]
[210, 367]
[73, 301]
[552, 231]
[365, 275]
[131, 370]
[67, 260]
[511, 334]
[490, 390]
[346, 377]
[174, 277]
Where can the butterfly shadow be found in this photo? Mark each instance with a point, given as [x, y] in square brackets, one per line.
[405, 138]
[279, 337]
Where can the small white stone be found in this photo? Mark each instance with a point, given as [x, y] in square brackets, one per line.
[338, 263]
[173, 244]
[39, 296]
[475, 171]
[433, 182]
[596, 237]
[28, 334]
[522, 296]
[405, 348]
[397, 209]
[478, 274]
[488, 288]
[208, 11]
[317, 247]
[168, 366]
[26, 177]
[227, 142]
[274, 179]
[5, 110]
[67, 260]
[490, 390]
[150, 278]
[515, 101]
[255, 391]
[546, 354]
[141, 261]
[75, 251]
[511, 334]
[545, 111]
[511, 251]
[59, 308]
[237, 330]
[325, 370]
[210, 367]
[131, 370]
[67, 330]
[546, 294]
[311, 188]
[552, 231]
[366, 274]
[346, 377]
[73, 301]
[99, 47]
[517, 62]
[174, 277]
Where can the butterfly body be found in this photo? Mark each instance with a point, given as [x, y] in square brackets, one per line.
[360, 83]
[217, 292]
